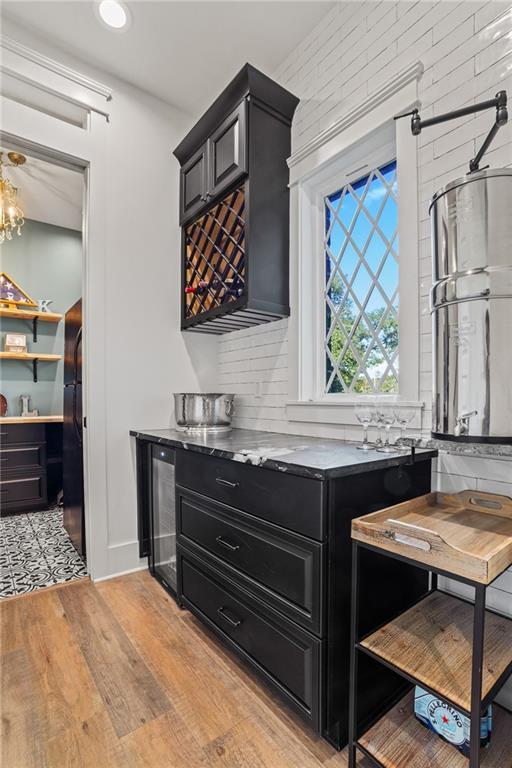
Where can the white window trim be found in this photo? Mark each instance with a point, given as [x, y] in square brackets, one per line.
[311, 169]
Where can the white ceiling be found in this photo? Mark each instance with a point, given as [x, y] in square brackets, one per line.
[182, 52]
[48, 192]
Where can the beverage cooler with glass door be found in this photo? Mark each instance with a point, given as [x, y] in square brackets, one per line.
[162, 555]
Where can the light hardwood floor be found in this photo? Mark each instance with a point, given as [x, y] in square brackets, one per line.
[114, 675]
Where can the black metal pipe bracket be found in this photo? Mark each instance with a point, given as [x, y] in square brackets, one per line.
[499, 103]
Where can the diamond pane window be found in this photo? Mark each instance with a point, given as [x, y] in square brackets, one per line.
[361, 285]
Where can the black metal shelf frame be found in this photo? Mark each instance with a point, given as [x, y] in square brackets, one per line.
[478, 702]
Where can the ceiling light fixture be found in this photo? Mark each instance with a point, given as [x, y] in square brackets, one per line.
[11, 215]
[114, 14]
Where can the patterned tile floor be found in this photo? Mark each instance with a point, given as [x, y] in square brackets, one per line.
[36, 552]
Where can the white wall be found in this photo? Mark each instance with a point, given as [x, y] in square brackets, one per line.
[467, 55]
[147, 357]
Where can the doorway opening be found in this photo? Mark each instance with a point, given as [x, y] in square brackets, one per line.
[42, 515]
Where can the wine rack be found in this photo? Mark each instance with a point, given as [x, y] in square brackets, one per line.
[215, 256]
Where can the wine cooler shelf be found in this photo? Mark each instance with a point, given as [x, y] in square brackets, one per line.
[234, 208]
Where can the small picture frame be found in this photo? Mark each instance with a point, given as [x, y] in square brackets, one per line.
[15, 342]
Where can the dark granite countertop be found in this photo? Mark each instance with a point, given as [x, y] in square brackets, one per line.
[315, 457]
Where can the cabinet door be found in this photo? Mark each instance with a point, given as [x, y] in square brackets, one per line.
[227, 155]
[193, 181]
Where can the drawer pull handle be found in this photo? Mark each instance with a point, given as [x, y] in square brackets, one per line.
[231, 547]
[228, 483]
[233, 621]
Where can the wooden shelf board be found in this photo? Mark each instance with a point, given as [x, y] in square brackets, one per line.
[432, 643]
[25, 314]
[29, 356]
[31, 419]
[468, 534]
[398, 740]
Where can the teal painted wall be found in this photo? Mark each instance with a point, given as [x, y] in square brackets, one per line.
[46, 261]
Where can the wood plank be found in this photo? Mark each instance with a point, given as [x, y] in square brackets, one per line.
[12, 631]
[171, 742]
[257, 743]
[131, 694]
[31, 419]
[433, 642]
[204, 696]
[398, 740]
[20, 709]
[90, 743]
[458, 533]
[43, 357]
[25, 314]
[53, 651]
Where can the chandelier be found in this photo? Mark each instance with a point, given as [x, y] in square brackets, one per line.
[11, 215]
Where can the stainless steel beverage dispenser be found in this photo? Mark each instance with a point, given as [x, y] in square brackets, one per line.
[472, 293]
[472, 308]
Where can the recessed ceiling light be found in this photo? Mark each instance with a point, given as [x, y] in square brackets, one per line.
[114, 14]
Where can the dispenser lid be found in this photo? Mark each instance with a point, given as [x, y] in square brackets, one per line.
[487, 173]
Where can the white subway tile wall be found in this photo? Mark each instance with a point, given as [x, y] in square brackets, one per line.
[466, 50]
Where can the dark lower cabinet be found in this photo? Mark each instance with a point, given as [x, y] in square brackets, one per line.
[264, 560]
[23, 468]
[285, 655]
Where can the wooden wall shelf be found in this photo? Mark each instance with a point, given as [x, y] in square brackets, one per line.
[32, 316]
[432, 644]
[398, 739]
[31, 357]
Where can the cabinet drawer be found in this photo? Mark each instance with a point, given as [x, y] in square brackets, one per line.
[26, 492]
[288, 657]
[22, 458]
[282, 568]
[287, 500]
[21, 433]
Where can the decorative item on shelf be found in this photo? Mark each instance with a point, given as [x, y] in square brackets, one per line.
[3, 405]
[11, 215]
[12, 295]
[25, 407]
[43, 304]
[15, 342]
[450, 724]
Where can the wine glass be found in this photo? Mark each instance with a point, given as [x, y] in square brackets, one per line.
[387, 418]
[403, 416]
[377, 422]
[364, 416]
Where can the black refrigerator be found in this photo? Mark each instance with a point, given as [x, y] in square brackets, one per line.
[72, 461]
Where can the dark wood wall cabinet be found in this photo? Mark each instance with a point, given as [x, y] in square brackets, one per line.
[264, 559]
[234, 207]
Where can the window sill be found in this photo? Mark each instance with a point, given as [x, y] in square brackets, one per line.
[343, 412]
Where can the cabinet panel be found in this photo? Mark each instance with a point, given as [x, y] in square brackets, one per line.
[22, 433]
[23, 493]
[227, 155]
[282, 568]
[193, 184]
[22, 457]
[286, 500]
[284, 654]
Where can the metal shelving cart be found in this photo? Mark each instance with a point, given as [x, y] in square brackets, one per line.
[451, 647]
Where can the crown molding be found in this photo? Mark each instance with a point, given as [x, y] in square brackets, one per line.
[54, 66]
[397, 83]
